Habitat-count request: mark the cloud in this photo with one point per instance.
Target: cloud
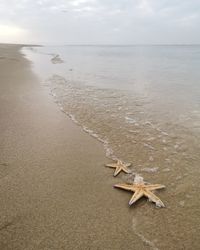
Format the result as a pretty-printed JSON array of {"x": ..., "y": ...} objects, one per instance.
[
  {"x": 101, "y": 21},
  {"x": 145, "y": 8},
  {"x": 78, "y": 3}
]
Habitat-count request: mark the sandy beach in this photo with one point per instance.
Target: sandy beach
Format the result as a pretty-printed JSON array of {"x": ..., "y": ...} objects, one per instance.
[{"x": 55, "y": 192}]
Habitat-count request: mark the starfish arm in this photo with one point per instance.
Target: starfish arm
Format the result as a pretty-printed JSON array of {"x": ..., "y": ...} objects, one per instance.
[
  {"x": 137, "y": 195},
  {"x": 126, "y": 170},
  {"x": 128, "y": 187},
  {"x": 117, "y": 171},
  {"x": 111, "y": 165},
  {"x": 155, "y": 186},
  {"x": 152, "y": 197}
]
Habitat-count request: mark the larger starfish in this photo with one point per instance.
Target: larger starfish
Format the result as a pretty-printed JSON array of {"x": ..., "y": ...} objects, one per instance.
[
  {"x": 142, "y": 189},
  {"x": 120, "y": 166}
]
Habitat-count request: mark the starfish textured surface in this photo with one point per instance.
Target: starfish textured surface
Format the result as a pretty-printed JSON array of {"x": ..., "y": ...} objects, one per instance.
[
  {"x": 119, "y": 166},
  {"x": 142, "y": 189}
]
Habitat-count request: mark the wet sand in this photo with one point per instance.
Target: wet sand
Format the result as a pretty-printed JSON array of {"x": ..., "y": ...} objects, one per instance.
[{"x": 55, "y": 192}]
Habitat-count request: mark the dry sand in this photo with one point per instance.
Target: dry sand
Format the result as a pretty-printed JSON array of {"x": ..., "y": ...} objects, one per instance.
[{"x": 54, "y": 190}]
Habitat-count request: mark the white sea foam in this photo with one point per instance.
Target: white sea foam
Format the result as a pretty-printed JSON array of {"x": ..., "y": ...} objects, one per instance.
[
  {"x": 182, "y": 203},
  {"x": 130, "y": 120},
  {"x": 164, "y": 133},
  {"x": 138, "y": 179},
  {"x": 166, "y": 169},
  {"x": 149, "y": 123},
  {"x": 151, "y": 138},
  {"x": 150, "y": 170},
  {"x": 108, "y": 149},
  {"x": 141, "y": 236},
  {"x": 151, "y": 158},
  {"x": 148, "y": 146},
  {"x": 72, "y": 117},
  {"x": 133, "y": 131}
]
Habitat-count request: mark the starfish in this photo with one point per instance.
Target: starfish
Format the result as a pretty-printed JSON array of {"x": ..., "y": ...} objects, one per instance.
[
  {"x": 120, "y": 166},
  {"x": 142, "y": 189}
]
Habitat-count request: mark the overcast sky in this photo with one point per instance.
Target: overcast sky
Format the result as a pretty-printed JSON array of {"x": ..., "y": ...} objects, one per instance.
[{"x": 100, "y": 21}]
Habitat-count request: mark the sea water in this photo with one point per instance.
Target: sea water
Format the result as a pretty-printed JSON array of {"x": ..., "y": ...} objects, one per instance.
[{"x": 143, "y": 104}]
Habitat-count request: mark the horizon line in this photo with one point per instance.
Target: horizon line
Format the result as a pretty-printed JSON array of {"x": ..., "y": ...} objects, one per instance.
[{"x": 103, "y": 44}]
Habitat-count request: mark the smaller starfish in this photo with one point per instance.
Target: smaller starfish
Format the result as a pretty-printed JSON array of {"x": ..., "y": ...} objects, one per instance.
[
  {"x": 142, "y": 189},
  {"x": 120, "y": 166}
]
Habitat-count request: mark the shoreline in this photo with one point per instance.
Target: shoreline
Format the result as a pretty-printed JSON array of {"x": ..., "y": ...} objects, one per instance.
[{"x": 55, "y": 192}]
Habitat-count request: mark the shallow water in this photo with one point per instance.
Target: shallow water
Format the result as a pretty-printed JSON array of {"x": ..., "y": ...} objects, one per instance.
[{"x": 143, "y": 104}]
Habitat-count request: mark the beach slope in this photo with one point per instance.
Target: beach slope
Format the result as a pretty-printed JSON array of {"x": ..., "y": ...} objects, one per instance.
[{"x": 54, "y": 190}]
